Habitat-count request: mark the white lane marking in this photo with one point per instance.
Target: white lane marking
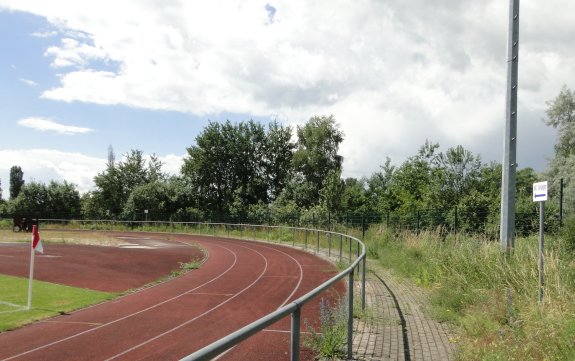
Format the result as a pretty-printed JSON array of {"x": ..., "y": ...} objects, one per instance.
[
  {"x": 10, "y": 304},
  {"x": 289, "y": 331},
  {"x": 18, "y": 308},
  {"x": 73, "y": 322},
  {"x": 298, "y": 283},
  {"x": 283, "y": 303},
  {"x": 127, "y": 316},
  {"x": 197, "y": 317}
]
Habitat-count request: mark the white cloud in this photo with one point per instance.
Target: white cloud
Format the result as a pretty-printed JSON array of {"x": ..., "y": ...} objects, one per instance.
[
  {"x": 44, "y": 125},
  {"x": 172, "y": 163},
  {"x": 47, "y": 164},
  {"x": 44, "y": 165},
  {"x": 393, "y": 73},
  {"x": 28, "y": 82},
  {"x": 45, "y": 34}
]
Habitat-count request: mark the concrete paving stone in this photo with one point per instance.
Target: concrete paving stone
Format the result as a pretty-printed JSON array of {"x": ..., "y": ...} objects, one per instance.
[{"x": 398, "y": 328}]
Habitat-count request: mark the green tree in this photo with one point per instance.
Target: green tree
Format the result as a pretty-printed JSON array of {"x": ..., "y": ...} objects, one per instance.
[
  {"x": 55, "y": 200},
  {"x": 116, "y": 183},
  {"x": 317, "y": 153},
  {"x": 332, "y": 190},
  {"x": 278, "y": 155},
  {"x": 63, "y": 200},
  {"x": 561, "y": 115},
  {"x": 354, "y": 198},
  {"x": 227, "y": 163},
  {"x": 153, "y": 197},
  {"x": 526, "y": 218},
  {"x": 413, "y": 183},
  {"x": 31, "y": 200},
  {"x": 380, "y": 189},
  {"x": 16, "y": 181},
  {"x": 459, "y": 171},
  {"x": 235, "y": 166}
]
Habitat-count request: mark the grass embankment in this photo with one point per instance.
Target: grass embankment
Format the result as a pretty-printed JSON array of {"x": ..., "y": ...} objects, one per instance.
[
  {"x": 468, "y": 278},
  {"x": 48, "y": 299}
]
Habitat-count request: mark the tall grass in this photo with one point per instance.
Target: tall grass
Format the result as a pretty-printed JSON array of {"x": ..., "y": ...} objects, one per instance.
[{"x": 468, "y": 278}]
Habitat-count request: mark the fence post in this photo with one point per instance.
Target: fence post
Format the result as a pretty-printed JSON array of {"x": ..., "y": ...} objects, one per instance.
[
  {"x": 340, "y": 246},
  {"x": 329, "y": 244},
  {"x": 455, "y": 223},
  {"x": 362, "y": 226},
  {"x": 295, "y": 326},
  {"x": 350, "y": 317},
  {"x": 305, "y": 242},
  {"x": 561, "y": 203},
  {"x": 318, "y": 241}
]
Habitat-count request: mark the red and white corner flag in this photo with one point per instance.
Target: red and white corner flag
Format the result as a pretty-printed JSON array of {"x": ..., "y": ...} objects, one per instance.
[
  {"x": 36, "y": 241},
  {"x": 36, "y": 246}
]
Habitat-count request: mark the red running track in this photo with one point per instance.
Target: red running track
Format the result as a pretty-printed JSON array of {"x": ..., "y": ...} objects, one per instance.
[{"x": 240, "y": 282}]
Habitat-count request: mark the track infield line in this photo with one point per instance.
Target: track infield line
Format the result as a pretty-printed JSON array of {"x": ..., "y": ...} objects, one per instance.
[
  {"x": 262, "y": 275},
  {"x": 231, "y": 247},
  {"x": 127, "y": 316},
  {"x": 199, "y": 316},
  {"x": 283, "y": 303}
]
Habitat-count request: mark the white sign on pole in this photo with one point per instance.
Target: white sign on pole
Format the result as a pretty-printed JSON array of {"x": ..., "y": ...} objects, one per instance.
[{"x": 540, "y": 191}]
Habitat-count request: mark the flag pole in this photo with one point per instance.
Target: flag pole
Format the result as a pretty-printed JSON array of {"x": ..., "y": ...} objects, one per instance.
[
  {"x": 32, "y": 252},
  {"x": 35, "y": 245}
]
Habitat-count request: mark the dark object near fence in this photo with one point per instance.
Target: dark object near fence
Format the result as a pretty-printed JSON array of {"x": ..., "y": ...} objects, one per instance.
[{"x": 23, "y": 223}]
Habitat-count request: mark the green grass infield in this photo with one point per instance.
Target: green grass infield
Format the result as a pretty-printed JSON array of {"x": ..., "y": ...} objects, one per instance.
[{"x": 48, "y": 300}]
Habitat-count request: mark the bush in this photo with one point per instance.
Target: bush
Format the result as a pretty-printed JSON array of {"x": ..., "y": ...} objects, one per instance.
[{"x": 567, "y": 234}]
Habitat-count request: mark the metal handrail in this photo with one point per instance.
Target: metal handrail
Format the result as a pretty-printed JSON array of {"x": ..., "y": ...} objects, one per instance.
[{"x": 293, "y": 308}]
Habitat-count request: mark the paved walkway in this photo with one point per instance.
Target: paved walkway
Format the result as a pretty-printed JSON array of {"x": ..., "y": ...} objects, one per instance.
[{"x": 396, "y": 327}]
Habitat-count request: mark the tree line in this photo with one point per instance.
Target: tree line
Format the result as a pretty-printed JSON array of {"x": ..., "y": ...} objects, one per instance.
[{"x": 254, "y": 173}]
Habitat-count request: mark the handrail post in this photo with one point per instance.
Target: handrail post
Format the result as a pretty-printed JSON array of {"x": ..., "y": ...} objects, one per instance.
[
  {"x": 363, "y": 284},
  {"x": 295, "y": 325},
  {"x": 357, "y": 256},
  {"x": 350, "y": 250},
  {"x": 350, "y": 318}
]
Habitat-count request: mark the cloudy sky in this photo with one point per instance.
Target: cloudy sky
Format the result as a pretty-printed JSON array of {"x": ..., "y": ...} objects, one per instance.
[{"x": 79, "y": 76}]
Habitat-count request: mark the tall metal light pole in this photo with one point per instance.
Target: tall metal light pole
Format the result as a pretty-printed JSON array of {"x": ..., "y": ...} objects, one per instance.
[{"x": 507, "y": 230}]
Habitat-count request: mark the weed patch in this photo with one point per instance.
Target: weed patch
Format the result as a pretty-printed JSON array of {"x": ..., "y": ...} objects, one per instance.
[{"x": 331, "y": 339}]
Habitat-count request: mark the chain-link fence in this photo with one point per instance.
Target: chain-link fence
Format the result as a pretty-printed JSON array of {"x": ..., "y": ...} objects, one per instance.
[{"x": 455, "y": 220}]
